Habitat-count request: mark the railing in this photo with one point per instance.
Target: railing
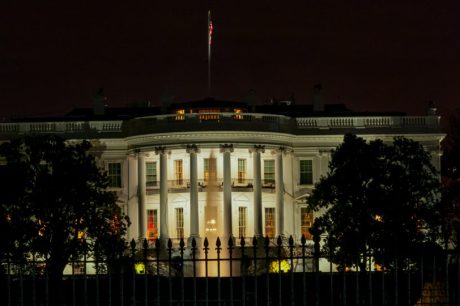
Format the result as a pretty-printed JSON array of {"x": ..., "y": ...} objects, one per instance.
[
  {"x": 228, "y": 121},
  {"x": 60, "y": 127},
  {"x": 235, "y": 272},
  {"x": 369, "y": 122},
  {"x": 237, "y": 185}
]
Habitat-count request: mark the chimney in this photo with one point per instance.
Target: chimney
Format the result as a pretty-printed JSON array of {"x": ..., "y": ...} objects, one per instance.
[
  {"x": 99, "y": 102},
  {"x": 318, "y": 101},
  {"x": 431, "y": 109}
]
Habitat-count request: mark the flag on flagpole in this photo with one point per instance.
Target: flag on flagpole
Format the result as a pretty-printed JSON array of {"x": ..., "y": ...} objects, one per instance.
[{"x": 209, "y": 28}]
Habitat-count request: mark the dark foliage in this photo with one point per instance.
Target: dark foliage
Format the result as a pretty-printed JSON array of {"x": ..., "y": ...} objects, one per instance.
[
  {"x": 377, "y": 199},
  {"x": 451, "y": 180},
  {"x": 55, "y": 205}
]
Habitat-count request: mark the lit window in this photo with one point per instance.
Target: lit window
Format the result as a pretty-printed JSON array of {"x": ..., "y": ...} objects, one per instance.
[
  {"x": 306, "y": 221},
  {"x": 180, "y": 222},
  {"x": 270, "y": 222},
  {"x": 152, "y": 224},
  {"x": 114, "y": 175},
  {"x": 179, "y": 172},
  {"x": 241, "y": 170},
  {"x": 242, "y": 221},
  {"x": 237, "y": 115},
  {"x": 209, "y": 169},
  {"x": 269, "y": 171},
  {"x": 180, "y": 114},
  {"x": 151, "y": 174},
  {"x": 306, "y": 172}
]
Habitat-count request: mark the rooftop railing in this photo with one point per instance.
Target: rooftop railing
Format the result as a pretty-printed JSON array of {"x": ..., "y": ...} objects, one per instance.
[
  {"x": 217, "y": 121},
  {"x": 60, "y": 127},
  {"x": 368, "y": 122}
]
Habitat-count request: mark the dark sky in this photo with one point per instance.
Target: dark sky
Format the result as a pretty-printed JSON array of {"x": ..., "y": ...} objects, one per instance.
[{"x": 370, "y": 55}]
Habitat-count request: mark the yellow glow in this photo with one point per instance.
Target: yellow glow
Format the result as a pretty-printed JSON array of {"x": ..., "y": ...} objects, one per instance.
[
  {"x": 139, "y": 267},
  {"x": 280, "y": 266},
  {"x": 378, "y": 218},
  {"x": 378, "y": 267},
  {"x": 81, "y": 235},
  {"x": 180, "y": 113},
  {"x": 237, "y": 115}
]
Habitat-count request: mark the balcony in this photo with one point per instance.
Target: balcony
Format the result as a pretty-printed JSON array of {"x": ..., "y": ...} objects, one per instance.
[{"x": 241, "y": 185}]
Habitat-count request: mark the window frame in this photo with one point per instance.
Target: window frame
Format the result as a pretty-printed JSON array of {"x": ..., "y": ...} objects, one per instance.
[
  {"x": 270, "y": 228},
  {"x": 179, "y": 175},
  {"x": 155, "y": 226},
  {"x": 308, "y": 211},
  {"x": 242, "y": 170},
  {"x": 242, "y": 221},
  {"x": 151, "y": 183},
  {"x": 179, "y": 216},
  {"x": 309, "y": 180},
  {"x": 269, "y": 181},
  {"x": 114, "y": 176}
]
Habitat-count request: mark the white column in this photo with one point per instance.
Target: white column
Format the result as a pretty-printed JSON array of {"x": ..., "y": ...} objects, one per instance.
[
  {"x": 141, "y": 194},
  {"x": 257, "y": 190},
  {"x": 164, "y": 230},
  {"x": 226, "y": 150},
  {"x": 194, "y": 214},
  {"x": 279, "y": 191}
]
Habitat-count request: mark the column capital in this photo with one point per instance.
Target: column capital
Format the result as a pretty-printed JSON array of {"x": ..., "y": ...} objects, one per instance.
[
  {"x": 161, "y": 150},
  {"x": 322, "y": 152},
  {"x": 226, "y": 148},
  {"x": 257, "y": 149},
  {"x": 192, "y": 149}
]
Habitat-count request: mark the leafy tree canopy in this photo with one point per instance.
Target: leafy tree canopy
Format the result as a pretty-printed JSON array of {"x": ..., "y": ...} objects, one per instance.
[
  {"x": 377, "y": 199},
  {"x": 451, "y": 179},
  {"x": 55, "y": 204}
]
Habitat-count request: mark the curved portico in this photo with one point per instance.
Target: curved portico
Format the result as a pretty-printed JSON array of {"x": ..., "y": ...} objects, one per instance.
[{"x": 247, "y": 186}]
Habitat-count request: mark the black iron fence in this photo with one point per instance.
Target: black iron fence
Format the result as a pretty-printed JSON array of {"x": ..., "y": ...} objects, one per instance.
[{"x": 261, "y": 272}]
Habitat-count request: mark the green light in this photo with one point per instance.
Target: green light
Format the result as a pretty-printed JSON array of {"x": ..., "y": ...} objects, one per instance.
[
  {"x": 139, "y": 268},
  {"x": 280, "y": 266}
]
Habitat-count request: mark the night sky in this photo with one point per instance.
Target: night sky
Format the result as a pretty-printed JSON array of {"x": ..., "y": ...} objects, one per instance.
[{"x": 370, "y": 55}]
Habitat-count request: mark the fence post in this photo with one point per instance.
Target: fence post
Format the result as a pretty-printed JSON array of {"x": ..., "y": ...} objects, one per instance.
[
  {"x": 303, "y": 241},
  {"x": 145, "y": 246},
  {"x": 181, "y": 249},
  {"x": 206, "y": 249},
  {"x": 157, "y": 252},
  {"x": 279, "y": 244},
  {"x": 230, "y": 254},
  {"x": 291, "y": 257},
  {"x": 218, "y": 249},
  {"x": 169, "y": 270},
  {"x": 254, "y": 244},
  {"x": 267, "y": 274},
  {"x": 316, "y": 239},
  {"x": 133, "y": 273},
  {"x": 194, "y": 270},
  {"x": 316, "y": 248},
  {"x": 243, "y": 272}
]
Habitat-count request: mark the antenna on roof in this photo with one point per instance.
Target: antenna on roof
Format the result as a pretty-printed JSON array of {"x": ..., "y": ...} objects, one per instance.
[{"x": 209, "y": 51}]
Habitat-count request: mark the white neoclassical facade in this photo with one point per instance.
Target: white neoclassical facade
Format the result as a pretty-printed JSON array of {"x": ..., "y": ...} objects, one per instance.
[{"x": 216, "y": 168}]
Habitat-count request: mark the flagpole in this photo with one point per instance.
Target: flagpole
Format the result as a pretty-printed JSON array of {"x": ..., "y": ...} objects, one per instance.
[{"x": 209, "y": 51}]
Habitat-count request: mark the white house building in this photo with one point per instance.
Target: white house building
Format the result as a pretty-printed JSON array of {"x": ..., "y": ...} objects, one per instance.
[{"x": 214, "y": 168}]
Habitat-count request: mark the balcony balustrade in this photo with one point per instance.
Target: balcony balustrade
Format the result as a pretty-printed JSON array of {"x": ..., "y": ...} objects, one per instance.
[
  {"x": 219, "y": 121},
  {"x": 183, "y": 185}
]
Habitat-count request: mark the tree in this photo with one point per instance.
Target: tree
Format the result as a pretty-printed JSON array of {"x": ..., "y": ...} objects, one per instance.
[
  {"x": 451, "y": 180},
  {"x": 377, "y": 199},
  {"x": 55, "y": 200}
]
